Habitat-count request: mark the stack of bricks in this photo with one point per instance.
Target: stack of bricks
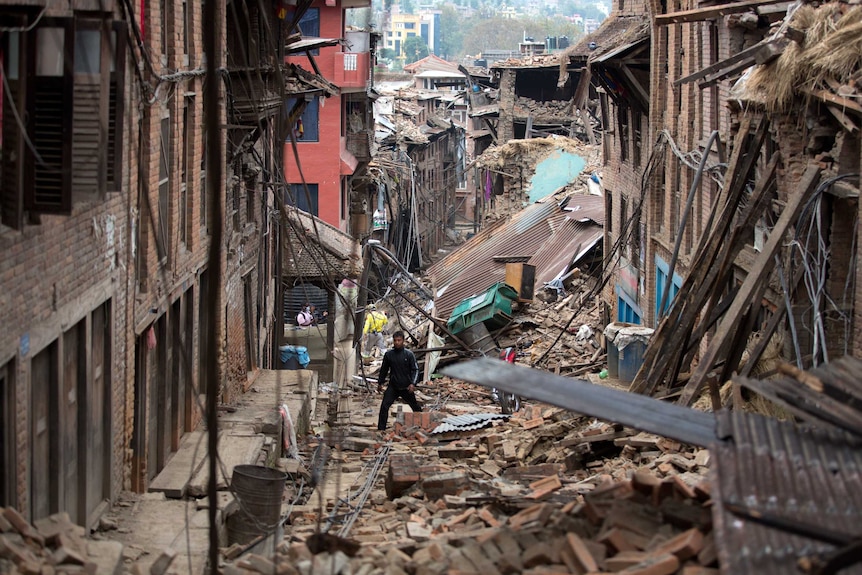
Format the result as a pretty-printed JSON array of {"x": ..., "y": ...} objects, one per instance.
[
  {"x": 409, "y": 425},
  {"x": 54, "y": 545},
  {"x": 640, "y": 526}
]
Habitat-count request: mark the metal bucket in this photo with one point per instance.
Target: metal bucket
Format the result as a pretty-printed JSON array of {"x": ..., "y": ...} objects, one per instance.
[
  {"x": 479, "y": 338},
  {"x": 258, "y": 491}
]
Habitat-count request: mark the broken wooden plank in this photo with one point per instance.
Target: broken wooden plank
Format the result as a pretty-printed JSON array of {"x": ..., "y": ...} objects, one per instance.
[
  {"x": 709, "y": 12},
  {"x": 761, "y": 268},
  {"x": 670, "y": 339},
  {"x": 182, "y": 467},
  {"x": 233, "y": 450},
  {"x": 638, "y": 411},
  {"x": 830, "y": 98}
]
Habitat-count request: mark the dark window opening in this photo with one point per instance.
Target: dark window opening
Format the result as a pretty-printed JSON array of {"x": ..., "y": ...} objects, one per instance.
[
  {"x": 309, "y": 26},
  {"x": 296, "y": 196},
  {"x": 164, "y": 188},
  {"x": 307, "y": 126},
  {"x": 623, "y": 128},
  {"x": 541, "y": 85}
]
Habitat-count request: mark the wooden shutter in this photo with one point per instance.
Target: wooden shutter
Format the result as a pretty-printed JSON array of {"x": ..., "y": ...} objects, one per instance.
[
  {"x": 116, "y": 112},
  {"x": 11, "y": 200},
  {"x": 51, "y": 97}
]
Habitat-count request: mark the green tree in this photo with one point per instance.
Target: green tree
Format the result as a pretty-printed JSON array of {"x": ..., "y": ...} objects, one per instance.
[
  {"x": 415, "y": 49},
  {"x": 451, "y": 34},
  {"x": 388, "y": 54}
]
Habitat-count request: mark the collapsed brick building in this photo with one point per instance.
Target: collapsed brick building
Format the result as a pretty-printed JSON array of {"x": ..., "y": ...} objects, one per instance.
[
  {"x": 689, "y": 120},
  {"x": 418, "y": 170}
]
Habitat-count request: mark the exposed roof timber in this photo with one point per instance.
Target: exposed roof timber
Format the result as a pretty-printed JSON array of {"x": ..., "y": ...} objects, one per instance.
[
  {"x": 638, "y": 411},
  {"x": 310, "y": 44},
  {"x": 709, "y": 12},
  {"x": 636, "y": 48},
  {"x": 642, "y": 92},
  {"x": 830, "y": 98},
  {"x": 760, "y": 53}
]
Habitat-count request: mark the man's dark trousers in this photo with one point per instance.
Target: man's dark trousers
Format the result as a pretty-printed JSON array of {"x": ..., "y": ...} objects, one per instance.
[{"x": 389, "y": 397}]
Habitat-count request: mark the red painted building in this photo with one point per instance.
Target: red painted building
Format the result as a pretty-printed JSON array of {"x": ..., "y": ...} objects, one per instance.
[{"x": 333, "y": 133}]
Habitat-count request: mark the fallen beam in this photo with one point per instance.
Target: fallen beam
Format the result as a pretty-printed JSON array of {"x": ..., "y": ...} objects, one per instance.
[
  {"x": 753, "y": 284},
  {"x": 637, "y": 411},
  {"x": 709, "y": 12}
]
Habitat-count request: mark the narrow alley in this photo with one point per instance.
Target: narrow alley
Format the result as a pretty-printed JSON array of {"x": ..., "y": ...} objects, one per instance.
[{"x": 302, "y": 288}]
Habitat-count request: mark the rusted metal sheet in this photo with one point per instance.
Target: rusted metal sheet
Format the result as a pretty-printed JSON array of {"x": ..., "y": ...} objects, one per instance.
[
  {"x": 481, "y": 261},
  {"x": 571, "y": 241},
  {"x": 783, "y": 472},
  {"x": 638, "y": 411}
]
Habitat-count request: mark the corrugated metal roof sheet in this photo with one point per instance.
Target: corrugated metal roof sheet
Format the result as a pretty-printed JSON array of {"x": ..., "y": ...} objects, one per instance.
[
  {"x": 568, "y": 244},
  {"x": 780, "y": 470},
  {"x": 472, "y": 268},
  {"x": 468, "y": 422}
]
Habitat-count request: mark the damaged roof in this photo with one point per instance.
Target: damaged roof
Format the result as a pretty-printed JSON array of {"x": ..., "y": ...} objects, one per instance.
[
  {"x": 481, "y": 261},
  {"x": 616, "y": 32},
  {"x": 311, "y": 245}
]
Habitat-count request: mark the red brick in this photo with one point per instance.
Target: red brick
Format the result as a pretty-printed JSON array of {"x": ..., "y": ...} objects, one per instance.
[
  {"x": 616, "y": 540},
  {"x": 577, "y": 556},
  {"x": 684, "y": 546},
  {"x": 533, "y": 423},
  {"x": 665, "y": 564},
  {"x": 536, "y": 514}
]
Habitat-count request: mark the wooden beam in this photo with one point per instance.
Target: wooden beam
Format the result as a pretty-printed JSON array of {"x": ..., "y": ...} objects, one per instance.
[
  {"x": 759, "y": 275},
  {"x": 588, "y": 125},
  {"x": 712, "y": 69},
  {"x": 830, "y": 98},
  {"x": 641, "y": 91},
  {"x": 674, "y": 329},
  {"x": 709, "y": 12}
]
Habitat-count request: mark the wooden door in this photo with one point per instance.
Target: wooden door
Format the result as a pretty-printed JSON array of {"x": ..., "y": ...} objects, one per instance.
[
  {"x": 139, "y": 427},
  {"x": 152, "y": 411},
  {"x": 7, "y": 437},
  {"x": 73, "y": 365},
  {"x": 175, "y": 382},
  {"x": 188, "y": 367},
  {"x": 43, "y": 500},
  {"x": 98, "y": 413}
]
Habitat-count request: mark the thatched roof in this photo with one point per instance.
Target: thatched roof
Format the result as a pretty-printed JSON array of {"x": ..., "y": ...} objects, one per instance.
[{"x": 828, "y": 57}]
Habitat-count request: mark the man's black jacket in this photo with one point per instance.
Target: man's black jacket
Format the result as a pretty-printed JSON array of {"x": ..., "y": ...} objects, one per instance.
[{"x": 403, "y": 367}]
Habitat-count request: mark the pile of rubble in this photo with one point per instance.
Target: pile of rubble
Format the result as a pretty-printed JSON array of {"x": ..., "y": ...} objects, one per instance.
[
  {"x": 553, "y": 110},
  {"x": 547, "y": 491},
  {"x": 55, "y": 545},
  {"x": 528, "y": 153},
  {"x": 576, "y": 319}
]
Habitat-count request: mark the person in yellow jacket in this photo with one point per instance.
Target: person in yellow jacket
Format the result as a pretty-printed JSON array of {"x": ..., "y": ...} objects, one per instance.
[{"x": 375, "y": 323}]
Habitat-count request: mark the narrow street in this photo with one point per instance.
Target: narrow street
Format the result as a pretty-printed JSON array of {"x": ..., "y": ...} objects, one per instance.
[{"x": 602, "y": 255}]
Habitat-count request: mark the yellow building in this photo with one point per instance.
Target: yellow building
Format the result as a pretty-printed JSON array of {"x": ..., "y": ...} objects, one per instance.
[{"x": 401, "y": 27}]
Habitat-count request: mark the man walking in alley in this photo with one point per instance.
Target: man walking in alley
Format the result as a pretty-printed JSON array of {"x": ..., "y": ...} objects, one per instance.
[
  {"x": 375, "y": 323},
  {"x": 400, "y": 365}
]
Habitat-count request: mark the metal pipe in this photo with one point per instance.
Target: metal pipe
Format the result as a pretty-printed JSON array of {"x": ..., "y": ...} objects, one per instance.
[
  {"x": 678, "y": 242},
  {"x": 393, "y": 259}
]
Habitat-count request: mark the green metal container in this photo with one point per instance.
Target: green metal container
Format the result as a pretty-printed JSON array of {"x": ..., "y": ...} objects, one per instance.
[{"x": 493, "y": 308}]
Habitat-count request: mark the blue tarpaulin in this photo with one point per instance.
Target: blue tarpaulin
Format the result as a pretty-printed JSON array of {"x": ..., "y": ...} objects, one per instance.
[{"x": 297, "y": 353}]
